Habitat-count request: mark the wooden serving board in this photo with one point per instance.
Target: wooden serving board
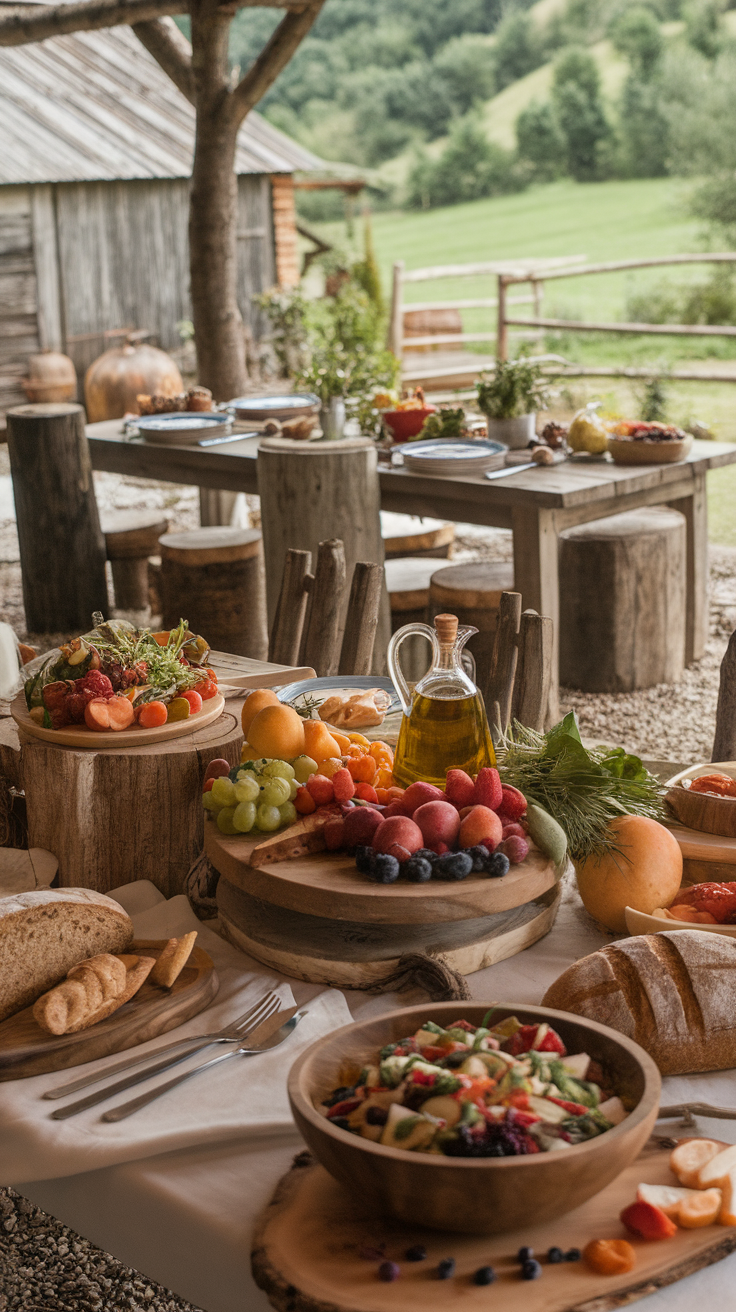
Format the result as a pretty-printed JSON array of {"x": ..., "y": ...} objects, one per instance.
[
  {"x": 317, "y": 1249},
  {"x": 25, "y": 1049},
  {"x": 79, "y": 735}
]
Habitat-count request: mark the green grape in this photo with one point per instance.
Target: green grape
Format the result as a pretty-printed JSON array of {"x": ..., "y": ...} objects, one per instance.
[
  {"x": 247, "y": 789},
  {"x": 287, "y": 813},
  {"x": 244, "y": 774},
  {"x": 275, "y": 791},
  {"x": 223, "y": 791},
  {"x": 210, "y": 803},
  {"x": 279, "y": 770},
  {"x": 303, "y": 767},
  {"x": 268, "y": 818},
  {"x": 244, "y": 817},
  {"x": 225, "y": 820},
  {"x": 293, "y": 789}
]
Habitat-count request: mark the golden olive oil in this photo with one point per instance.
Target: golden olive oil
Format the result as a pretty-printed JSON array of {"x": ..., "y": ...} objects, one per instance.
[{"x": 441, "y": 734}]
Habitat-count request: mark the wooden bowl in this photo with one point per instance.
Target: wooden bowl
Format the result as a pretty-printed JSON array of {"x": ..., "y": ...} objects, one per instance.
[
  {"x": 474, "y": 1195},
  {"x": 703, "y": 811},
  {"x": 624, "y": 451}
]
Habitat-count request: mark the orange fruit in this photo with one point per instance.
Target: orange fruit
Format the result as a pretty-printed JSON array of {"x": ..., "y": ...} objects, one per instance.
[
  {"x": 319, "y": 742},
  {"x": 277, "y": 731},
  {"x": 330, "y": 766},
  {"x": 359, "y": 738},
  {"x": 341, "y": 739},
  {"x": 255, "y": 702},
  {"x": 645, "y": 873}
]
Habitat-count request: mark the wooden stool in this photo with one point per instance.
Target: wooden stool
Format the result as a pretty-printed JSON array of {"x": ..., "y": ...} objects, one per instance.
[
  {"x": 131, "y": 536},
  {"x": 407, "y": 582},
  {"x": 214, "y": 578},
  {"x": 408, "y": 535},
  {"x": 472, "y": 591},
  {"x": 622, "y": 601}
]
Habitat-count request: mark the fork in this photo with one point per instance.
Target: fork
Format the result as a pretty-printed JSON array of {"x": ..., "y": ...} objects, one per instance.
[
  {"x": 128, "y": 1108},
  {"x": 232, "y": 1033}
]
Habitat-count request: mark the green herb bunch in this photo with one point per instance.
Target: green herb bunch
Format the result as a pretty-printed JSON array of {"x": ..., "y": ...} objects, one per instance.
[
  {"x": 515, "y": 387},
  {"x": 584, "y": 789},
  {"x": 443, "y": 423}
]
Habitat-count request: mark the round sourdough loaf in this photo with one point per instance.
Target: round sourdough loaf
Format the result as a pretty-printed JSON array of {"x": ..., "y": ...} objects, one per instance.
[
  {"x": 673, "y": 993},
  {"x": 46, "y": 932}
]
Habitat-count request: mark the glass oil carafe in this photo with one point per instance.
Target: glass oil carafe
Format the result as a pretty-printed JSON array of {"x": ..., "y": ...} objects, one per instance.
[{"x": 444, "y": 724}]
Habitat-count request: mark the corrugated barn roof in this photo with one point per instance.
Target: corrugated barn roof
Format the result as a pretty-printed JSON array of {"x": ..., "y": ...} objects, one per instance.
[{"x": 96, "y": 106}]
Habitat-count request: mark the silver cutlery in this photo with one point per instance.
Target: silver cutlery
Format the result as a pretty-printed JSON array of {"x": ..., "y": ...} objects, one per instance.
[
  {"x": 262, "y": 1013},
  {"x": 128, "y": 1108}
]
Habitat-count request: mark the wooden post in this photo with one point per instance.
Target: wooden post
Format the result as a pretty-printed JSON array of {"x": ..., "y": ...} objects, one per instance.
[
  {"x": 62, "y": 550},
  {"x": 362, "y": 619},
  {"x": 396, "y": 317},
  {"x": 500, "y": 686},
  {"x": 534, "y": 670},
  {"x": 320, "y": 647},
  {"x": 291, "y": 609},
  {"x": 695, "y": 510},
  {"x": 724, "y": 744},
  {"x": 502, "y": 340}
]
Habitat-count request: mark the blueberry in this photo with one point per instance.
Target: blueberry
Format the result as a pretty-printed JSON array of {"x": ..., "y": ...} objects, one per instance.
[
  {"x": 418, "y": 870},
  {"x": 446, "y": 1268},
  {"x": 453, "y": 865},
  {"x": 376, "y": 1116},
  {"x": 364, "y": 858},
  {"x": 417, "y": 1253},
  {"x": 385, "y": 869},
  {"x": 498, "y": 865},
  {"x": 531, "y": 1270},
  {"x": 480, "y": 857},
  {"x": 485, "y": 1275},
  {"x": 427, "y": 854},
  {"x": 572, "y": 1255},
  {"x": 525, "y": 1254},
  {"x": 340, "y": 1122},
  {"x": 389, "y": 1271},
  {"x": 555, "y": 1255}
]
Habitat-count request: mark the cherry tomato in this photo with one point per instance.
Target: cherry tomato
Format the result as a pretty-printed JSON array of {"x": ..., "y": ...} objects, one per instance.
[{"x": 194, "y": 698}]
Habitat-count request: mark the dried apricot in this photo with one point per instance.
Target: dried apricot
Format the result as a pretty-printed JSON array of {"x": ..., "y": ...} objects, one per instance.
[
  {"x": 384, "y": 779},
  {"x": 362, "y": 768},
  {"x": 330, "y": 767},
  {"x": 359, "y": 738},
  {"x": 610, "y": 1257}
]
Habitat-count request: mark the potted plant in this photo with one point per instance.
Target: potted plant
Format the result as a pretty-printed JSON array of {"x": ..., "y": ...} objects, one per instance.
[{"x": 509, "y": 398}]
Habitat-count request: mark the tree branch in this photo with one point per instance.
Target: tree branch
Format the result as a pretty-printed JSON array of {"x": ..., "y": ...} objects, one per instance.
[
  {"x": 20, "y": 24},
  {"x": 170, "y": 49},
  {"x": 277, "y": 52}
]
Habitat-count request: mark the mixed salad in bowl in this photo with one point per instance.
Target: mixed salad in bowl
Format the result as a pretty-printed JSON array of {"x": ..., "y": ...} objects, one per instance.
[{"x": 477, "y": 1091}]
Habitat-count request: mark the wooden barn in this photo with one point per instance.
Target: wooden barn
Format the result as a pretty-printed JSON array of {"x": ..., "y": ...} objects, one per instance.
[{"x": 96, "y": 146}]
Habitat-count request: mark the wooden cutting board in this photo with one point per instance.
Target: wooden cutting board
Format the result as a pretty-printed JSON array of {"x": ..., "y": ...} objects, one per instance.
[
  {"x": 78, "y": 735},
  {"x": 25, "y": 1049},
  {"x": 312, "y": 1251}
]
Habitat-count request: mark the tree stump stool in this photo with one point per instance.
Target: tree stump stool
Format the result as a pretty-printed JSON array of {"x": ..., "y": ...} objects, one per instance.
[
  {"x": 214, "y": 578},
  {"x": 131, "y": 536},
  {"x": 622, "y": 601},
  {"x": 472, "y": 591},
  {"x": 407, "y": 581},
  {"x": 408, "y": 535}
]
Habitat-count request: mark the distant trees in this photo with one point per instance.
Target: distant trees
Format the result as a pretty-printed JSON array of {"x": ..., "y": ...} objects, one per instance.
[{"x": 469, "y": 168}]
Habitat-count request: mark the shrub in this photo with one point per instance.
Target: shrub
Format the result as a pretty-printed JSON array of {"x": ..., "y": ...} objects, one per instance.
[
  {"x": 469, "y": 168},
  {"x": 540, "y": 142}
]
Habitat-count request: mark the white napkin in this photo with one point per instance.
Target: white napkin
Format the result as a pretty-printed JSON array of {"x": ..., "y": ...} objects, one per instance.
[{"x": 242, "y": 1098}]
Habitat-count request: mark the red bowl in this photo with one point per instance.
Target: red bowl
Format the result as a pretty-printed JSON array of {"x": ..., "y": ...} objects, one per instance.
[{"x": 404, "y": 424}]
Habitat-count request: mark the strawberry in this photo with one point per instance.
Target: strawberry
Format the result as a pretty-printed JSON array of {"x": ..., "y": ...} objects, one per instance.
[
  {"x": 460, "y": 788},
  {"x": 647, "y": 1221},
  {"x": 487, "y": 790},
  {"x": 513, "y": 803}
]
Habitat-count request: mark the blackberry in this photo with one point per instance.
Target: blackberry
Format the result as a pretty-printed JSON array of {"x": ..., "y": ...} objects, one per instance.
[
  {"x": 389, "y": 1271},
  {"x": 417, "y": 1253},
  {"x": 385, "y": 869},
  {"x": 418, "y": 870},
  {"x": 498, "y": 865},
  {"x": 531, "y": 1270},
  {"x": 572, "y": 1255},
  {"x": 502, "y": 1140},
  {"x": 454, "y": 865},
  {"x": 525, "y": 1254},
  {"x": 446, "y": 1268},
  {"x": 485, "y": 1275},
  {"x": 364, "y": 858},
  {"x": 480, "y": 857},
  {"x": 341, "y": 1123},
  {"x": 555, "y": 1255},
  {"x": 339, "y": 1095},
  {"x": 376, "y": 1116}
]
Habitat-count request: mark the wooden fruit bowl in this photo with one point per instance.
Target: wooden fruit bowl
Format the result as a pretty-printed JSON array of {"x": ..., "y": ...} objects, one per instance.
[
  {"x": 473, "y": 1195},
  {"x": 648, "y": 452},
  {"x": 703, "y": 811}
]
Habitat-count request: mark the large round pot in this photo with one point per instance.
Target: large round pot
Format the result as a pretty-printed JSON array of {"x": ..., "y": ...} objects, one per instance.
[
  {"x": 404, "y": 424},
  {"x": 115, "y": 379},
  {"x": 474, "y": 1195},
  {"x": 514, "y": 433},
  {"x": 51, "y": 377}
]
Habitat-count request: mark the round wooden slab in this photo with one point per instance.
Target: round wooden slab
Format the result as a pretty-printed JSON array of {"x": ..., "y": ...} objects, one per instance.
[
  {"x": 25, "y": 1049},
  {"x": 317, "y": 1249},
  {"x": 78, "y": 735}
]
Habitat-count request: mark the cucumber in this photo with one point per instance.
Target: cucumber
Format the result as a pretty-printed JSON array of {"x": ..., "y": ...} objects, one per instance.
[{"x": 548, "y": 835}]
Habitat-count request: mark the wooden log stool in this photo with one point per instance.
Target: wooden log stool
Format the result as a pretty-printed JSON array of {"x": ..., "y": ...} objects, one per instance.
[
  {"x": 131, "y": 536},
  {"x": 622, "y": 601},
  {"x": 407, "y": 581},
  {"x": 472, "y": 591},
  {"x": 214, "y": 578},
  {"x": 408, "y": 535}
]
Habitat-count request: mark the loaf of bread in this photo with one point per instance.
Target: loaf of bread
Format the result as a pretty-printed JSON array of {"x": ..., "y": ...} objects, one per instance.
[
  {"x": 172, "y": 959},
  {"x": 91, "y": 992},
  {"x": 46, "y": 932},
  {"x": 673, "y": 993}
]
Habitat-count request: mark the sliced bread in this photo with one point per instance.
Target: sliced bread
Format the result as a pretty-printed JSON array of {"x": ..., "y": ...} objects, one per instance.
[{"x": 46, "y": 932}]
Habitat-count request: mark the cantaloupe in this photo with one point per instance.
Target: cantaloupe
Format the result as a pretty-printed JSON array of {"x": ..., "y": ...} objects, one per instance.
[{"x": 644, "y": 874}]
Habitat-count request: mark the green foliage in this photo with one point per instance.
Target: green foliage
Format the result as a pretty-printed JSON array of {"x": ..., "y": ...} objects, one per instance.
[
  {"x": 576, "y": 97},
  {"x": 715, "y": 201},
  {"x": 704, "y": 27},
  {"x": 540, "y": 141},
  {"x": 518, "y": 49},
  {"x": 366, "y": 272},
  {"x": 636, "y": 34},
  {"x": 653, "y": 401},
  {"x": 287, "y": 310},
  {"x": 515, "y": 387},
  {"x": 469, "y": 168},
  {"x": 644, "y": 135}
]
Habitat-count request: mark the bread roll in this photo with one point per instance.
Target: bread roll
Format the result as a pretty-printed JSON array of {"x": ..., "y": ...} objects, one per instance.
[
  {"x": 44, "y": 933},
  {"x": 673, "y": 993},
  {"x": 77, "y": 1002}
]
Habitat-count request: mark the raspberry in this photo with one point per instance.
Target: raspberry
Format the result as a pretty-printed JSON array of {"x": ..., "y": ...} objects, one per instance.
[
  {"x": 343, "y": 785},
  {"x": 513, "y": 803},
  {"x": 320, "y": 789}
]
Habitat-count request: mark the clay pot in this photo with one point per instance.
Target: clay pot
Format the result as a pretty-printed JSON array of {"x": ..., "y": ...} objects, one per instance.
[
  {"x": 114, "y": 380},
  {"x": 51, "y": 377}
]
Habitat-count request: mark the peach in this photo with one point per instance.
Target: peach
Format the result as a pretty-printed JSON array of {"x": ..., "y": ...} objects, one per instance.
[
  {"x": 419, "y": 793},
  {"x": 481, "y": 825},
  {"x": 255, "y": 702},
  {"x": 398, "y": 836},
  {"x": 277, "y": 731},
  {"x": 360, "y": 826},
  {"x": 439, "y": 823},
  {"x": 459, "y": 788}
]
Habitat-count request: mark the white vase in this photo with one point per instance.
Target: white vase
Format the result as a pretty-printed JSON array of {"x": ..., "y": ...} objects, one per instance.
[
  {"x": 514, "y": 433},
  {"x": 332, "y": 418}
]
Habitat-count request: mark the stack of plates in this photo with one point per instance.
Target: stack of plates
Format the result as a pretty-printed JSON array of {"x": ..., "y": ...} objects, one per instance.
[
  {"x": 183, "y": 427},
  {"x": 453, "y": 456},
  {"x": 259, "y": 408}
]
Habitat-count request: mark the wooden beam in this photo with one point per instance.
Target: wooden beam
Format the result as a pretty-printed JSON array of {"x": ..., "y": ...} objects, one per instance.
[
  {"x": 171, "y": 50},
  {"x": 20, "y": 24},
  {"x": 46, "y": 259},
  {"x": 653, "y": 329},
  {"x": 276, "y": 53},
  {"x": 613, "y": 266}
]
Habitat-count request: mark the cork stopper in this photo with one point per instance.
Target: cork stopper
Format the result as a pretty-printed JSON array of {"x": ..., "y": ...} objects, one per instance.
[{"x": 446, "y": 627}]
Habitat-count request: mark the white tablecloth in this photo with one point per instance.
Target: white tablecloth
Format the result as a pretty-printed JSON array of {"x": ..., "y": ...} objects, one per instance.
[{"x": 185, "y": 1218}]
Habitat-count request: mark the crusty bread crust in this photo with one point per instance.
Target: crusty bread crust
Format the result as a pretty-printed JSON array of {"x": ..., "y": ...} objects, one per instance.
[
  {"x": 46, "y": 932},
  {"x": 673, "y": 993}
]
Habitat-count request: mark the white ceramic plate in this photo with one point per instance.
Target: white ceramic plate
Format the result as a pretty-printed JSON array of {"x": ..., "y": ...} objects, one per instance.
[
  {"x": 638, "y": 922},
  {"x": 289, "y": 406},
  {"x": 183, "y": 428}
]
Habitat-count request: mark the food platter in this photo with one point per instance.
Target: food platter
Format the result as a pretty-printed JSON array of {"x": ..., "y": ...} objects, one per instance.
[
  {"x": 453, "y": 456},
  {"x": 705, "y": 812},
  {"x": 289, "y": 406},
  {"x": 183, "y": 428},
  {"x": 648, "y": 451},
  {"x": 78, "y": 735},
  {"x": 638, "y": 922}
]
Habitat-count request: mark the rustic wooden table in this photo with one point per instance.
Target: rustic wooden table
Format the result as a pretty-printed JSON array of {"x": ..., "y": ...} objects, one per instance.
[{"x": 536, "y": 504}]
